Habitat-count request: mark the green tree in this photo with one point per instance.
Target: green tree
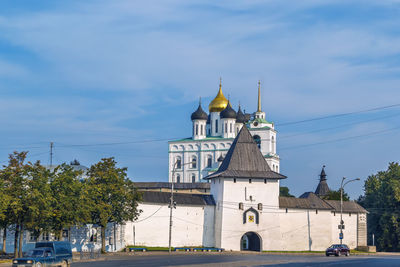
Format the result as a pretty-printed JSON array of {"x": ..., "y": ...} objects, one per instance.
[
  {"x": 382, "y": 200},
  {"x": 112, "y": 196},
  {"x": 68, "y": 205},
  {"x": 14, "y": 176},
  {"x": 4, "y": 204},
  {"x": 37, "y": 205},
  {"x": 335, "y": 195},
  {"x": 284, "y": 192}
]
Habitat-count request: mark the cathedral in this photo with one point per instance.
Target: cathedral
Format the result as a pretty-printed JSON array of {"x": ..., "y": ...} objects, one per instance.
[{"x": 191, "y": 159}]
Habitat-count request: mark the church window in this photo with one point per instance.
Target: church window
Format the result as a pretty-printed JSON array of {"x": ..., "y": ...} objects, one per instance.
[
  {"x": 350, "y": 214},
  {"x": 257, "y": 139},
  {"x": 178, "y": 163},
  {"x": 178, "y": 178},
  {"x": 234, "y": 180},
  {"x": 259, "y": 206},
  {"x": 286, "y": 210},
  {"x": 194, "y": 162},
  {"x": 197, "y": 129},
  {"x": 201, "y": 129},
  {"x": 193, "y": 178},
  {"x": 216, "y": 126},
  {"x": 316, "y": 211},
  {"x": 265, "y": 181},
  {"x": 209, "y": 161},
  {"x": 249, "y": 181},
  {"x": 230, "y": 128},
  {"x": 241, "y": 206},
  {"x": 226, "y": 127},
  {"x": 334, "y": 213}
]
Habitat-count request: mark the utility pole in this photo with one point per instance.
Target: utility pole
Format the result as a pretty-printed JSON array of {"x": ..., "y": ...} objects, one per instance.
[
  {"x": 51, "y": 154},
  {"x": 172, "y": 204},
  {"x": 341, "y": 206}
]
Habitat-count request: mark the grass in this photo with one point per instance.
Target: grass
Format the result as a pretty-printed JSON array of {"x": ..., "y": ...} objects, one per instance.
[
  {"x": 286, "y": 251},
  {"x": 151, "y": 248}
]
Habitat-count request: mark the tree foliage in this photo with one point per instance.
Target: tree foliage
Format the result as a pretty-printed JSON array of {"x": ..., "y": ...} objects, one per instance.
[
  {"x": 113, "y": 197},
  {"x": 38, "y": 199},
  {"x": 335, "y": 195},
  {"x": 284, "y": 192},
  {"x": 382, "y": 200}
]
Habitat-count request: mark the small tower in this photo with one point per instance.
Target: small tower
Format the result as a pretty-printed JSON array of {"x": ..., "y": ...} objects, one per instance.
[
  {"x": 259, "y": 114},
  {"x": 216, "y": 106},
  {"x": 322, "y": 188},
  {"x": 228, "y": 120},
  {"x": 199, "y": 119}
]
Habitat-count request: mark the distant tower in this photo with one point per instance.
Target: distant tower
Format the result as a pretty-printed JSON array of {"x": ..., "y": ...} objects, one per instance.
[
  {"x": 199, "y": 119},
  {"x": 322, "y": 188},
  {"x": 259, "y": 114}
]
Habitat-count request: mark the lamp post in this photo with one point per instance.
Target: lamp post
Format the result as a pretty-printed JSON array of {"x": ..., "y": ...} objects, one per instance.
[
  {"x": 341, "y": 205},
  {"x": 172, "y": 204}
]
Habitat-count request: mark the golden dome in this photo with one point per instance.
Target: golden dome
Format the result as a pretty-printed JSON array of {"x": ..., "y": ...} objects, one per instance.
[{"x": 219, "y": 103}]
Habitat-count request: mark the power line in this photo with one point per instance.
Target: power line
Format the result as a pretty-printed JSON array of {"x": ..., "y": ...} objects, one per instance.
[
  {"x": 341, "y": 139},
  {"x": 339, "y": 126},
  {"x": 337, "y": 115}
]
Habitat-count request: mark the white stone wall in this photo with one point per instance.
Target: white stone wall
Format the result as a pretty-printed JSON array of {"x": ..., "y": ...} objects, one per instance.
[{"x": 192, "y": 226}]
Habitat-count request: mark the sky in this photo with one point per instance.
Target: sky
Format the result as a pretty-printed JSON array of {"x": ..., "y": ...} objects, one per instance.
[{"x": 106, "y": 78}]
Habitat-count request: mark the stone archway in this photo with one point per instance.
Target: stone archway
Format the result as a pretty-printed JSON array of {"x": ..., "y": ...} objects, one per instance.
[{"x": 250, "y": 241}]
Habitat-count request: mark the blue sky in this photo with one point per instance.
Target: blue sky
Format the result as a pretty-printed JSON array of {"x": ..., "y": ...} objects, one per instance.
[{"x": 97, "y": 72}]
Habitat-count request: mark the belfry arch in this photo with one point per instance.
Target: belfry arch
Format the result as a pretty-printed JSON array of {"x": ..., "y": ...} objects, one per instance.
[{"x": 251, "y": 241}]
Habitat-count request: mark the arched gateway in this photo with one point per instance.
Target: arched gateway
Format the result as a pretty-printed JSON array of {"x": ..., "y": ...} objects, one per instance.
[{"x": 250, "y": 241}]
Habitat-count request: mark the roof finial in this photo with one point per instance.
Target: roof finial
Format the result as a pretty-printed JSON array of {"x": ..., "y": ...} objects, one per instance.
[
  {"x": 200, "y": 101},
  {"x": 259, "y": 97},
  {"x": 220, "y": 83}
]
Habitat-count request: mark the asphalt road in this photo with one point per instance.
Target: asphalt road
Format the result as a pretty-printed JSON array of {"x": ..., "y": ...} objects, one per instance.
[{"x": 243, "y": 260}]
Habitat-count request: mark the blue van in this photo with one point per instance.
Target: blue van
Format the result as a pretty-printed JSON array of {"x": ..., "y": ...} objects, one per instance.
[{"x": 55, "y": 253}]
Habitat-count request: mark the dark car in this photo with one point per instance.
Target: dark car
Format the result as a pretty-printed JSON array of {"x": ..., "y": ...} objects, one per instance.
[
  {"x": 337, "y": 250},
  {"x": 47, "y": 254}
]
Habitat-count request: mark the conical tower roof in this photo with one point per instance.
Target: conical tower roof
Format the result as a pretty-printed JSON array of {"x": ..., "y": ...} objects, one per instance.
[
  {"x": 322, "y": 188},
  {"x": 245, "y": 160}
]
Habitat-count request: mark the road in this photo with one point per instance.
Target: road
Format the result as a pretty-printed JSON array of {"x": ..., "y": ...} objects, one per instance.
[{"x": 225, "y": 259}]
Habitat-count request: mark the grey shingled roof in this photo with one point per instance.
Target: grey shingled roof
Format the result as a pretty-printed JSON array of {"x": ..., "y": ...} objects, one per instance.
[
  {"x": 315, "y": 201},
  {"x": 309, "y": 200},
  {"x": 348, "y": 206},
  {"x": 179, "y": 198},
  {"x": 244, "y": 160},
  {"x": 156, "y": 185}
]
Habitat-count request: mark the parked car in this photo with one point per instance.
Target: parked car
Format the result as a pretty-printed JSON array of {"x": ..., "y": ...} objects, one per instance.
[
  {"x": 55, "y": 253},
  {"x": 337, "y": 250}
]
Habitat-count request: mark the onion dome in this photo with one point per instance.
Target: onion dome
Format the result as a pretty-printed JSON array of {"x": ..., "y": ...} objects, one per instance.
[
  {"x": 199, "y": 114},
  {"x": 228, "y": 113},
  {"x": 240, "y": 117},
  {"x": 219, "y": 103}
]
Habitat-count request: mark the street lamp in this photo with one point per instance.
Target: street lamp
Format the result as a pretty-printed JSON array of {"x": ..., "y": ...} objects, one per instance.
[
  {"x": 341, "y": 205},
  {"x": 172, "y": 204}
]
